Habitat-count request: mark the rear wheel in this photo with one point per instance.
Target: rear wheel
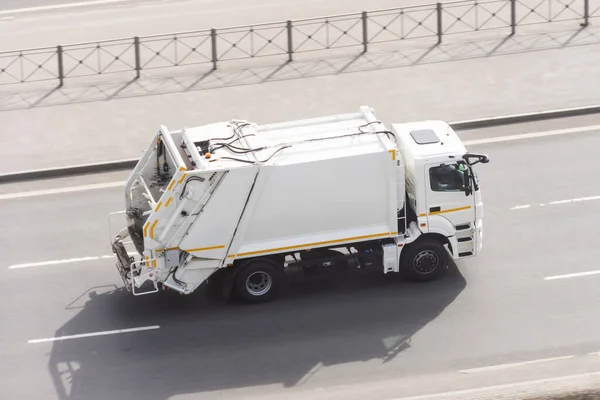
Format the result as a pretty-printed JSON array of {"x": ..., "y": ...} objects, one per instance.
[
  {"x": 424, "y": 260},
  {"x": 259, "y": 281}
]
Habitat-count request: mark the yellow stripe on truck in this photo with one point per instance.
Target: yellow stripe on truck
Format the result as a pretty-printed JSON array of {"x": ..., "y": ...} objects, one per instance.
[
  {"x": 204, "y": 248},
  {"x": 250, "y": 253},
  {"x": 152, "y": 229},
  {"x": 446, "y": 211},
  {"x": 168, "y": 249}
]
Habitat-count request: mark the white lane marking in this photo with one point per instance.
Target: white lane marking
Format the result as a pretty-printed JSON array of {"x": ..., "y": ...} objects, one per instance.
[
  {"x": 60, "y": 6},
  {"x": 576, "y": 200},
  {"x": 512, "y": 365},
  {"x": 103, "y": 333},
  {"x": 56, "y": 262},
  {"x": 573, "y": 275},
  {"x": 11, "y": 196},
  {"x": 558, "y": 202},
  {"x": 65, "y": 261},
  {"x": 533, "y": 135}
]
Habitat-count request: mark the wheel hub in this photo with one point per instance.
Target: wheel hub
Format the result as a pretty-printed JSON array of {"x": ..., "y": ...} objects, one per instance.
[
  {"x": 258, "y": 283},
  {"x": 426, "y": 262}
]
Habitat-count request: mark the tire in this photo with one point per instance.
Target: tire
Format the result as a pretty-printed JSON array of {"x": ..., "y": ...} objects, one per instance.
[
  {"x": 424, "y": 260},
  {"x": 259, "y": 281}
]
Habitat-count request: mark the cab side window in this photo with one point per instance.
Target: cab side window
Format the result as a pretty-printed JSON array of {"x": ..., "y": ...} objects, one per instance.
[{"x": 447, "y": 178}]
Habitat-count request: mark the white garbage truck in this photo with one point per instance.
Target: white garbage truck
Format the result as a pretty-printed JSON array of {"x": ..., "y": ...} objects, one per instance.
[{"x": 248, "y": 201}]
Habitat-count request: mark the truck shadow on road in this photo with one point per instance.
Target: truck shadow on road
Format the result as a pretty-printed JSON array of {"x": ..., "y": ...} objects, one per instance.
[{"x": 360, "y": 322}]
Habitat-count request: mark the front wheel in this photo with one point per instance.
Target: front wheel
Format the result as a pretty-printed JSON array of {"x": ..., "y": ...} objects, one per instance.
[
  {"x": 424, "y": 260},
  {"x": 258, "y": 282}
]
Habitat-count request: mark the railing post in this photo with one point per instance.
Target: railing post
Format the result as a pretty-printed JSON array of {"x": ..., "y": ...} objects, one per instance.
[
  {"x": 290, "y": 41},
  {"x": 513, "y": 16},
  {"x": 61, "y": 71},
  {"x": 365, "y": 32},
  {"x": 440, "y": 30},
  {"x": 138, "y": 64},
  {"x": 213, "y": 39},
  {"x": 586, "y": 12}
]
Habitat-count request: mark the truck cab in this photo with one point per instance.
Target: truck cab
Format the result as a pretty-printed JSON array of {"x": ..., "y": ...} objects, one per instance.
[{"x": 441, "y": 185}]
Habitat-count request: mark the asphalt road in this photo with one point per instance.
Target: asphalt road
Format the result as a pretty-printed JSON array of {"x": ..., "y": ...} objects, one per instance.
[{"x": 361, "y": 330}]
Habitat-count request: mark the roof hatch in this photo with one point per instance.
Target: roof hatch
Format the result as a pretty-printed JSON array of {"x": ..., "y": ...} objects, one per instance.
[{"x": 424, "y": 136}]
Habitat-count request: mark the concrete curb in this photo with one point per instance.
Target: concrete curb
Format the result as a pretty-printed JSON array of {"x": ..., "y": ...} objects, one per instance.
[
  {"x": 542, "y": 389},
  {"x": 120, "y": 165},
  {"x": 58, "y": 172},
  {"x": 527, "y": 117}
]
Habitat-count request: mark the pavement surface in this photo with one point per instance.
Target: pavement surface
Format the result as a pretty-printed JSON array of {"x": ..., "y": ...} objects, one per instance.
[
  {"x": 20, "y": 4},
  {"x": 364, "y": 336},
  {"x": 93, "y": 120}
]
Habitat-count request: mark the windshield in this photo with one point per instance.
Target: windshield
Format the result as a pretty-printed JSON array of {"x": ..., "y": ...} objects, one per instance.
[{"x": 449, "y": 177}]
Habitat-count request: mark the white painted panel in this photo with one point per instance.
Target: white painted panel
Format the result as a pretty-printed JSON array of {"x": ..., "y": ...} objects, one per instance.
[
  {"x": 216, "y": 225},
  {"x": 322, "y": 200}
]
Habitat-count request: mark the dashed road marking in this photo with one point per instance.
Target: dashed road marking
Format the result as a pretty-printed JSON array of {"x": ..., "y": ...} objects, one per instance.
[
  {"x": 532, "y": 135},
  {"x": 65, "y": 261},
  {"x": 573, "y": 275},
  {"x": 558, "y": 202},
  {"x": 103, "y": 333},
  {"x": 591, "y": 198},
  {"x": 512, "y": 365},
  {"x": 35, "y": 193}
]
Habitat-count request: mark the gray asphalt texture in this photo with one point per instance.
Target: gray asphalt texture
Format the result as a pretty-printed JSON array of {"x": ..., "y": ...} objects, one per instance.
[
  {"x": 358, "y": 329},
  {"x": 361, "y": 336}
]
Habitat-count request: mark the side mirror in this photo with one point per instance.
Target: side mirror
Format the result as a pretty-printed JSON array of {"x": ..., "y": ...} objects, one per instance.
[{"x": 482, "y": 158}]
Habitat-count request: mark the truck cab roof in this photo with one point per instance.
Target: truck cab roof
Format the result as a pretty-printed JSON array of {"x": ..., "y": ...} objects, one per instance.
[{"x": 429, "y": 139}]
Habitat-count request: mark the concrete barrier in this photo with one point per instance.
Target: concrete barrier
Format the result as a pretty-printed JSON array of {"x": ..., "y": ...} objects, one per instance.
[
  {"x": 526, "y": 117},
  {"x": 110, "y": 166}
]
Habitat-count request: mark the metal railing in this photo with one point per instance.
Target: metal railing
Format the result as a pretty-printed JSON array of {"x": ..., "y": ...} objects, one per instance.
[{"x": 284, "y": 39}]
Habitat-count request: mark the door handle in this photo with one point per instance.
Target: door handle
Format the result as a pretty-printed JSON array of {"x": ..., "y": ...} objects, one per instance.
[{"x": 435, "y": 209}]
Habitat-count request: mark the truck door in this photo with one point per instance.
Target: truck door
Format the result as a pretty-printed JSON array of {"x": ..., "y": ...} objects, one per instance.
[{"x": 446, "y": 186}]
